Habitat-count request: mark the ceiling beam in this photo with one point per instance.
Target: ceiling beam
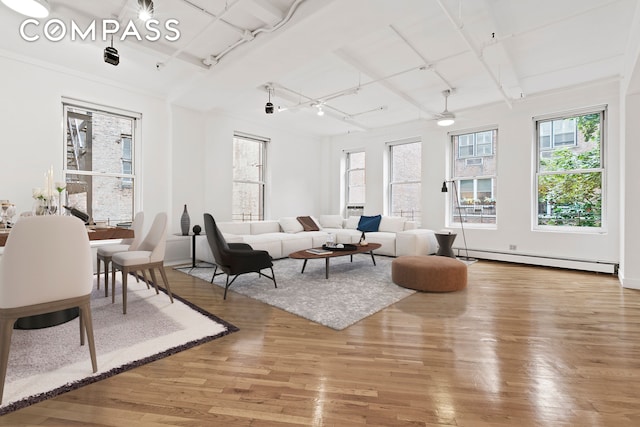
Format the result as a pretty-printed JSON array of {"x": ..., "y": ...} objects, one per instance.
[
  {"x": 359, "y": 66},
  {"x": 477, "y": 52},
  {"x": 431, "y": 65}
]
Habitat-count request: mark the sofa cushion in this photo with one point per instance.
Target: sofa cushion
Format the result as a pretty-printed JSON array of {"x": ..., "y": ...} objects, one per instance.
[
  {"x": 262, "y": 227},
  {"x": 308, "y": 224},
  {"x": 317, "y": 221},
  {"x": 369, "y": 223},
  {"x": 239, "y": 228},
  {"x": 352, "y": 222},
  {"x": 331, "y": 221},
  {"x": 290, "y": 224},
  {"x": 392, "y": 224},
  {"x": 386, "y": 239}
]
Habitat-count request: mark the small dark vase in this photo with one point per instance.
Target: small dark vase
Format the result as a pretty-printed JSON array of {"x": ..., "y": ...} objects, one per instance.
[
  {"x": 197, "y": 229},
  {"x": 185, "y": 221}
]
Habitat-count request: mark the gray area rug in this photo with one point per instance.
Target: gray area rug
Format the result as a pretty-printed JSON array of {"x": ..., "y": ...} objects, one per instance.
[
  {"x": 352, "y": 292},
  {"x": 47, "y": 362}
]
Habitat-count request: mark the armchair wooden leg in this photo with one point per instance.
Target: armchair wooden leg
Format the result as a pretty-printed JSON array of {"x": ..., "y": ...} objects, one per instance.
[
  {"x": 106, "y": 262},
  {"x": 98, "y": 271},
  {"x": 155, "y": 281},
  {"x": 85, "y": 316},
  {"x": 166, "y": 282},
  {"x": 125, "y": 273}
]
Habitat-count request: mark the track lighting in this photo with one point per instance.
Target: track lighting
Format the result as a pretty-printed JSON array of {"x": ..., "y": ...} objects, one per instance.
[
  {"x": 268, "y": 107},
  {"x": 320, "y": 110},
  {"x": 146, "y": 10},
  {"x": 111, "y": 55},
  {"x": 31, "y": 8}
]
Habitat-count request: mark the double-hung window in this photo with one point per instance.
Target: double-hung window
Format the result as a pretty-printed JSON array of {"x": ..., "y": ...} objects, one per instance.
[
  {"x": 355, "y": 182},
  {"x": 405, "y": 179},
  {"x": 249, "y": 162},
  {"x": 474, "y": 166},
  {"x": 570, "y": 171},
  {"x": 99, "y": 171}
]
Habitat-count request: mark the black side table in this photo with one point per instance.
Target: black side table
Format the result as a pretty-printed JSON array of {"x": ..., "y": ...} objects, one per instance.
[
  {"x": 193, "y": 246},
  {"x": 445, "y": 241}
]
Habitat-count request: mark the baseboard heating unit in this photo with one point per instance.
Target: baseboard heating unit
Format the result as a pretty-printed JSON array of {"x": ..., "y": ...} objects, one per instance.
[{"x": 542, "y": 260}]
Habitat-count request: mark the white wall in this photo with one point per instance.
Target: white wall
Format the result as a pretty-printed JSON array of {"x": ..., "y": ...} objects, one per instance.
[
  {"x": 33, "y": 140},
  {"x": 515, "y": 179},
  {"x": 294, "y": 169}
]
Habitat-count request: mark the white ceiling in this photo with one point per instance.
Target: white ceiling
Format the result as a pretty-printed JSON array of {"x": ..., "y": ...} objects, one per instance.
[{"x": 372, "y": 63}]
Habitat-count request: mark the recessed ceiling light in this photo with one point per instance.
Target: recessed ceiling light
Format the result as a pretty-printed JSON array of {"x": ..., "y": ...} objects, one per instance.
[{"x": 32, "y": 8}]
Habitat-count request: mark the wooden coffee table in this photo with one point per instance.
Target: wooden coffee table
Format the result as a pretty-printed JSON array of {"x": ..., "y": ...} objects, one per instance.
[{"x": 306, "y": 256}]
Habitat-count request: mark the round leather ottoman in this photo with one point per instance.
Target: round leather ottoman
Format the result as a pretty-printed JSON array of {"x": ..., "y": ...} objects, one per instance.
[{"x": 429, "y": 273}]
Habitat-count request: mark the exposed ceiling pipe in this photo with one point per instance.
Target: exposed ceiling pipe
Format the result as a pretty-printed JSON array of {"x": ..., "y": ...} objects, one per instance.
[
  {"x": 430, "y": 65},
  {"x": 345, "y": 56},
  {"x": 250, "y": 35},
  {"x": 345, "y": 92},
  {"x": 459, "y": 28},
  {"x": 205, "y": 28},
  {"x": 332, "y": 112}
]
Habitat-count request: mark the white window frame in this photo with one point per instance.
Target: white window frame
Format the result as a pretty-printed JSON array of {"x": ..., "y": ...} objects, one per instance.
[
  {"x": 602, "y": 110},
  {"x": 470, "y": 140},
  {"x": 348, "y": 169},
  {"x": 262, "y": 181},
  {"x": 452, "y": 219},
  {"x": 136, "y": 141},
  {"x": 127, "y": 181},
  {"x": 391, "y": 183}
]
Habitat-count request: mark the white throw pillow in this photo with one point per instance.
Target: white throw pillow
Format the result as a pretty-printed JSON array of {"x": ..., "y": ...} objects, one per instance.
[
  {"x": 352, "y": 222},
  {"x": 331, "y": 221},
  {"x": 392, "y": 224},
  {"x": 290, "y": 224}
]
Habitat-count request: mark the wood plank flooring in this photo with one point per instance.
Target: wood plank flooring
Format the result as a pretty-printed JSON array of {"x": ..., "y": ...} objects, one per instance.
[{"x": 521, "y": 346}]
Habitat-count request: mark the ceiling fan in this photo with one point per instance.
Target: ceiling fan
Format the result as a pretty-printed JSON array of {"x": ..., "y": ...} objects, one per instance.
[{"x": 446, "y": 118}]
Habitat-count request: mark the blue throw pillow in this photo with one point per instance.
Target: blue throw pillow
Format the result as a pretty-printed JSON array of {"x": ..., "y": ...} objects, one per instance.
[{"x": 369, "y": 223}]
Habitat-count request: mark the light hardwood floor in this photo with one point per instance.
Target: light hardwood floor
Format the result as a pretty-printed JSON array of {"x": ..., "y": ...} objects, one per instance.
[{"x": 522, "y": 346}]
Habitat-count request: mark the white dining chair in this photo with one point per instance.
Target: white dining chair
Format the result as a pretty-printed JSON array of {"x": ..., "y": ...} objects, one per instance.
[
  {"x": 46, "y": 267},
  {"x": 148, "y": 256},
  {"x": 105, "y": 253}
]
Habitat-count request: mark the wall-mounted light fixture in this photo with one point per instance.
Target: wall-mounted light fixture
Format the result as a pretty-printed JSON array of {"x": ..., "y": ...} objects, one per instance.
[{"x": 31, "y": 8}]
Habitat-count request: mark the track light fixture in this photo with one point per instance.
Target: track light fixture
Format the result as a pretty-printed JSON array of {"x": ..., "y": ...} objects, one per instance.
[
  {"x": 268, "y": 107},
  {"x": 446, "y": 118},
  {"x": 145, "y": 11},
  {"x": 31, "y": 8},
  {"x": 111, "y": 55}
]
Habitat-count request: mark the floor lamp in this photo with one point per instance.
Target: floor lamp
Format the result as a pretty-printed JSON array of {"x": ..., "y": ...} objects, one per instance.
[{"x": 455, "y": 194}]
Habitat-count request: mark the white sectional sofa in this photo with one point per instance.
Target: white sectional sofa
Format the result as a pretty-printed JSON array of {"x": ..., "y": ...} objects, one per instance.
[{"x": 286, "y": 235}]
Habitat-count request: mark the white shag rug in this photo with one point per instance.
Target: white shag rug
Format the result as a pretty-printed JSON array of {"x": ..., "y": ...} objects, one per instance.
[{"x": 47, "y": 362}]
